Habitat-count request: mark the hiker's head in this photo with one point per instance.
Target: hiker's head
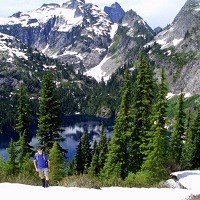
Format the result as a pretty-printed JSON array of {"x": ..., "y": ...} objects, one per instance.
[{"x": 40, "y": 150}]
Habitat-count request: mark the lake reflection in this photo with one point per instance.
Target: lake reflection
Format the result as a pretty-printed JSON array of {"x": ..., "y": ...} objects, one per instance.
[{"x": 72, "y": 128}]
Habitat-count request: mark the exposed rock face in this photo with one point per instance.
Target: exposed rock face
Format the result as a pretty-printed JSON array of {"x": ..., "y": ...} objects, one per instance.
[
  {"x": 132, "y": 33},
  {"x": 76, "y": 32},
  {"x": 180, "y": 44},
  {"x": 115, "y": 12}
]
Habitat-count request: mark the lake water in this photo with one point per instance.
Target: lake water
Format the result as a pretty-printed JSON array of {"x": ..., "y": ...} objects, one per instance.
[{"x": 73, "y": 126}]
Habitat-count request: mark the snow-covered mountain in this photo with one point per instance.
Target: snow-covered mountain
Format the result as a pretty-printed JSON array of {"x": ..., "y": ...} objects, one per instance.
[
  {"x": 75, "y": 32},
  {"x": 80, "y": 34}
]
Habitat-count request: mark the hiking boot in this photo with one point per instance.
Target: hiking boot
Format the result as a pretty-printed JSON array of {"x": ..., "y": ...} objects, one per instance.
[
  {"x": 43, "y": 182},
  {"x": 47, "y": 183}
]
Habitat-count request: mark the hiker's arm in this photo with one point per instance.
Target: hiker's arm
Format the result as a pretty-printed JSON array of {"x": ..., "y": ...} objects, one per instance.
[
  {"x": 48, "y": 165},
  {"x": 35, "y": 165}
]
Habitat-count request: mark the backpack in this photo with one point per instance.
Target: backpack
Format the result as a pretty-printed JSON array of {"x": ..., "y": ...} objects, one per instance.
[{"x": 44, "y": 156}]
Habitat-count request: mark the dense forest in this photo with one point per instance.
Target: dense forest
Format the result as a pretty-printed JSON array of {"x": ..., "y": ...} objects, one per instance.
[{"x": 151, "y": 136}]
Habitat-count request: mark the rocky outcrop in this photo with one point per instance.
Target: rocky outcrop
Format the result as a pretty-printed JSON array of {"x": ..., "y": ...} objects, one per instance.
[
  {"x": 115, "y": 12},
  {"x": 179, "y": 45}
]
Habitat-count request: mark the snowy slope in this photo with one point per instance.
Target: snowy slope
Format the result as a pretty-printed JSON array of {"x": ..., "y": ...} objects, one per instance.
[{"x": 189, "y": 179}]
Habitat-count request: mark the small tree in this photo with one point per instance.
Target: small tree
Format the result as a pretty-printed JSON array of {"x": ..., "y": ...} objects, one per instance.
[
  {"x": 94, "y": 167},
  {"x": 79, "y": 161},
  {"x": 188, "y": 148},
  {"x": 12, "y": 163},
  {"x": 176, "y": 141},
  {"x": 57, "y": 163},
  {"x": 196, "y": 141},
  {"x": 86, "y": 151}
]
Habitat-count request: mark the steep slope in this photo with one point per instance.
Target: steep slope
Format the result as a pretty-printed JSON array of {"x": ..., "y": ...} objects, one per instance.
[
  {"x": 75, "y": 32},
  {"x": 177, "y": 49},
  {"x": 132, "y": 33}
]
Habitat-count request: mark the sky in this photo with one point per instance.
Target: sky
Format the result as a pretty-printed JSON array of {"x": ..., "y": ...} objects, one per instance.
[
  {"x": 155, "y": 12},
  {"x": 189, "y": 179}
]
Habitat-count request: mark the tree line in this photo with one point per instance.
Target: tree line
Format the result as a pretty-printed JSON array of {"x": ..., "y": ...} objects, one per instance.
[{"x": 142, "y": 148}]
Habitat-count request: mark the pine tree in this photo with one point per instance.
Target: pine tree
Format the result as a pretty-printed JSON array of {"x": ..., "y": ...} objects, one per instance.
[
  {"x": 188, "y": 148},
  {"x": 57, "y": 167},
  {"x": 86, "y": 151},
  {"x": 70, "y": 167},
  {"x": 79, "y": 161},
  {"x": 116, "y": 163},
  {"x": 176, "y": 141},
  {"x": 102, "y": 148},
  {"x": 12, "y": 163},
  {"x": 24, "y": 151},
  {"x": 143, "y": 100},
  {"x": 196, "y": 141},
  {"x": 49, "y": 114},
  {"x": 94, "y": 166},
  {"x": 22, "y": 118},
  {"x": 22, "y": 125},
  {"x": 154, "y": 163}
]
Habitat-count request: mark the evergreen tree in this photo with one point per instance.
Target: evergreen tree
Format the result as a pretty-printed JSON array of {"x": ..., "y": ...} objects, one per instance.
[
  {"x": 49, "y": 114},
  {"x": 154, "y": 163},
  {"x": 22, "y": 118},
  {"x": 22, "y": 125},
  {"x": 56, "y": 158},
  {"x": 70, "y": 167},
  {"x": 143, "y": 100},
  {"x": 79, "y": 161},
  {"x": 188, "y": 148},
  {"x": 94, "y": 167},
  {"x": 176, "y": 140},
  {"x": 24, "y": 151},
  {"x": 86, "y": 151},
  {"x": 12, "y": 163},
  {"x": 102, "y": 148},
  {"x": 116, "y": 163},
  {"x": 196, "y": 141}
]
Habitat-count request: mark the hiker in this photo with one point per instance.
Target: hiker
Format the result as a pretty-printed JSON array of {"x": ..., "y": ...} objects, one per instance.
[{"x": 42, "y": 164}]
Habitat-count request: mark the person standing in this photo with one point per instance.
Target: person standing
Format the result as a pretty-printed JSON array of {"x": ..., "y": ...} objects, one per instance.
[{"x": 42, "y": 164}]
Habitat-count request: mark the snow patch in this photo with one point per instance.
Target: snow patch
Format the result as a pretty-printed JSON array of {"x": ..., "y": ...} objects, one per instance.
[{"x": 97, "y": 71}]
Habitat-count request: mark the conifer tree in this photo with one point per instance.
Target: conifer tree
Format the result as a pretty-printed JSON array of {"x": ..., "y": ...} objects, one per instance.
[
  {"x": 188, "y": 148},
  {"x": 12, "y": 163},
  {"x": 116, "y": 163},
  {"x": 56, "y": 158},
  {"x": 143, "y": 100},
  {"x": 86, "y": 151},
  {"x": 70, "y": 167},
  {"x": 22, "y": 118},
  {"x": 154, "y": 163},
  {"x": 176, "y": 140},
  {"x": 102, "y": 148},
  {"x": 79, "y": 161},
  {"x": 94, "y": 166},
  {"x": 22, "y": 125},
  {"x": 24, "y": 151},
  {"x": 196, "y": 141},
  {"x": 49, "y": 113}
]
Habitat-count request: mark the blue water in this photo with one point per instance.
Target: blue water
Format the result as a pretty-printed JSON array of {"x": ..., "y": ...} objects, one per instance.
[{"x": 73, "y": 126}]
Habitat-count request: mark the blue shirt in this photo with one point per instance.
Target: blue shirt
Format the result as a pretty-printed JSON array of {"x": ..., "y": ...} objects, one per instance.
[{"x": 42, "y": 160}]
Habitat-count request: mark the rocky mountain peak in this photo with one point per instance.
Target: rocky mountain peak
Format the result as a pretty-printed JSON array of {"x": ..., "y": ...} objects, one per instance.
[
  {"x": 50, "y": 5},
  {"x": 115, "y": 12},
  {"x": 73, "y": 4}
]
